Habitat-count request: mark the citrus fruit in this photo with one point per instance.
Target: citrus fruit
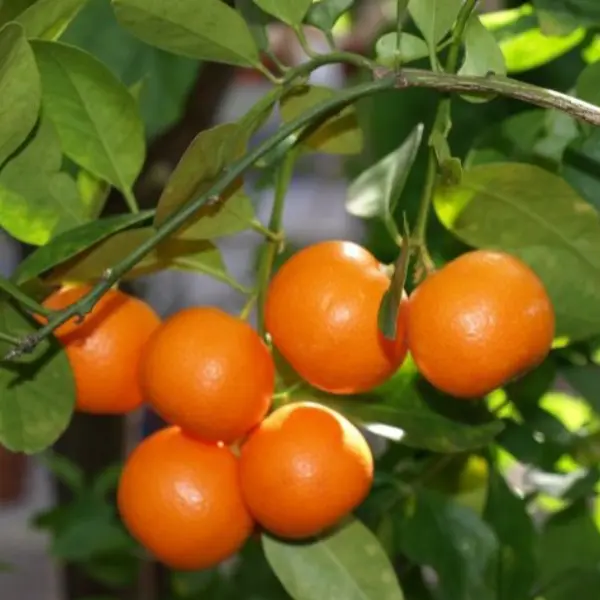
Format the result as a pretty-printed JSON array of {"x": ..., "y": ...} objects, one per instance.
[
  {"x": 303, "y": 469},
  {"x": 322, "y": 310},
  {"x": 180, "y": 498},
  {"x": 208, "y": 372},
  {"x": 480, "y": 321},
  {"x": 104, "y": 350}
]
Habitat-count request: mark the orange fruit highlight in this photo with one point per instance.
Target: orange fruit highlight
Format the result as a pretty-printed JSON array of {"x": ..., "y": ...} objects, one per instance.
[
  {"x": 480, "y": 321},
  {"x": 104, "y": 350},
  {"x": 208, "y": 372},
  {"x": 303, "y": 469},
  {"x": 321, "y": 312},
  {"x": 181, "y": 499}
]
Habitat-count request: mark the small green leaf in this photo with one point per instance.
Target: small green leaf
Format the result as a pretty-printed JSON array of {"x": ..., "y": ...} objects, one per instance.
[
  {"x": 376, "y": 191},
  {"x": 256, "y": 20},
  {"x": 65, "y": 470},
  {"x": 537, "y": 216},
  {"x": 507, "y": 515},
  {"x": 38, "y": 390},
  {"x": 96, "y": 117},
  {"x": 340, "y": 134},
  {"x": 390, "y": 303},
  {"x": 588, "y": 87},
  {"x": 20, "y": 91},
  {"x": 291, "y": 12},
  {"x": 37, "y": 200},
  {"x": 348, "y": 564},
  {"x": 324, "y": 14},
  {"x": 208, "y": 30},
  {"x": 411, "y": 48},
  {"x": 586, "y": 381},
  {"x": 47, "y": 19},
  {"x": 434, "y": 18},
  {"x": 68, "y": 244},
  {"x": 452, "y": 539},
  {"x": 107, "y": 481},
  {"x": 93, "y": 192}
]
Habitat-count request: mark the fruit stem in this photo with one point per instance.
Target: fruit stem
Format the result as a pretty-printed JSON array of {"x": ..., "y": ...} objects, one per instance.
[{"x": 271, "y": 246}]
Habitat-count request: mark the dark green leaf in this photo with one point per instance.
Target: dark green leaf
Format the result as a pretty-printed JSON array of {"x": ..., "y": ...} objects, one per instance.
[
  {"x": 561, "y": 17},
  {"x": 537, "y": 216},
  {"x": 508, "y": 517},
  {"x": 38, "y": 390},
  {"x": 324, "y": 14},
  {"x": 350, "y": 564},
  {"x": 37, "y": 200},
  {"x": 411, "y": 48},
  {"x": 452, "y": 539},
  {"x": 340, "y": 134},
  {"x": 107, "y": 481},
  {"x": 586, "y": 381},
  {"x": 19, "y": 90},
  {"x": 65, "y": 470},
  {"x": 47, "y": 19},
  {"x": 291, "y": 12},
  {"x": 588, "y": 84},
  {"x": 376, "y": 191},
  {"x": 68, "y": 244},
  {"x": 95, "y": 115},
  {"x": 115, "y": 569},
  {"x": 256, "y": 20},
  {"x": 390, "y": 304},
  {"x": 209, "y": 30},
  {"x": 434, "y": 18}
]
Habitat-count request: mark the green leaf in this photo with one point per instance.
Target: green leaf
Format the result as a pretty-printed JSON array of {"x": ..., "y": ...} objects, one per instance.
[
  {"x": 20, "y": 91},
  {"x": 389, "y": 308},
  {"x": 404, "y": 409},
  {"x": 560, "y": 17},
  {"x": 93, "y": 192},
  {"x": 259, "y": 113},
  {"x": 454, "y": 540},
  {"x": 37, "y": 200},
  {"x": 411, "y": 48},
  {"x": 68, "y": 244},
  {"x": 209, "y": 30},
  {"x": 586, "y": 381},
  {"x": 537, "y": 216},
  {"x": 434, "y": 18},
  {"x": 47, "y": 19},
  {"x": 350, "y": 564},
  {"x": 38, "y": 390},
  {"x": 324, "y": 14},
  {"x": 107, "y": 480},
  {"x": 256, "y": 20},
  {"x": 291, "y": 12},
  {"x": 508, "y": 517},
  {"x": 65, "y": 470},
  {"x": 587, "y": 84},
  {"x": 376, "y": 191},
  {"x": 340, "y": 134},
  {"x": 95, "y": 115}
]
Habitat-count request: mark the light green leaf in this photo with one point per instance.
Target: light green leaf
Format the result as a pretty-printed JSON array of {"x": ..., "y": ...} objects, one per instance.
[
  {"x": 47, "y": 19},
  {"x": 537, "y": 216},
  {"x": 291, "y": 12},
  {"x": 324, "y": 14},
  {"x": 341, "y": 134},
  {"x": 20, "y": 91},
  {"x": 411, "y": 48},
  {"x": 350, "y": 564},
  {"x": 434, "y": 18},
  {"x": 37, "y": 390},
  {"x": 37, "y": 201},
  {"x": 208, "y": 30},
  {"x": 95, "y": 115},
  {"x": 93, "y": 192},
  {"x": 588, "y": 84},
  {"x": 376, "y": 191}
]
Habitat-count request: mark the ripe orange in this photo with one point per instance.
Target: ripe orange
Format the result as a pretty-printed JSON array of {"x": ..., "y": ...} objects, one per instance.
[
  {"x": 208, "y": 372},
  {"x": 104, "y": 350},
  {"x": 321, "y": 312},
  {"x": 181, "y": 499},
  {"x": 478, "y": 322},
  {"x": 303, "y": 469}
]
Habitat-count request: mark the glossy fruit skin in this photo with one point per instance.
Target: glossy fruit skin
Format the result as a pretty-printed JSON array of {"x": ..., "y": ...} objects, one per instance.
[
  {"x": 480, "y": 321},
  {"x": 180, "y": 498},
  {"x": 209, "y": 373},
  {"x": 104, "y": 351},
  {"x": 303, "y": 469},
  {"x": 321, "y": 311}
]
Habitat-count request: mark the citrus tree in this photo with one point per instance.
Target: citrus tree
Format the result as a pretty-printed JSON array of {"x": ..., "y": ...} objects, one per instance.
[{"x": 457, "y": 354}]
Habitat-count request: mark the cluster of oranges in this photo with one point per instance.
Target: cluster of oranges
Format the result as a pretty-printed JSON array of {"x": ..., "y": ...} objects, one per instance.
[{"x": 193, "y": 492}]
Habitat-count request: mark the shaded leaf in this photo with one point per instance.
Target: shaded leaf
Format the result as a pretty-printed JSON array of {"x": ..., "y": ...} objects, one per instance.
[
  {"x": 434, "y": 18},
  {"x": 20, "y": 91},
  {"x": 210, "y": 30},
  {"x": 324, "y": 14},
  {"x": 65, "y": 470},
  {"x": 95, "y": 115},
  {"x": 588, "y": 84},
  {"x": 37, "y": 390},
  {"x": 349, "y": 564},
  {"x": 256, "y": 20},
  {"x": 537, "y": 216},
  {"x": 560, "y": 17},
  {"x": 47, "y": 19},
  {"x": 411, "y": 48},
  {"x": 586, "y": 381},
  {"x": 291, "y": 12}
]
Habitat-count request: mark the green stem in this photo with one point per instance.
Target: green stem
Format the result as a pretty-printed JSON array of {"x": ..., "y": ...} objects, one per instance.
[
  {"x": 131, "y": 201},
  {"x": 5, "y": 337},
  {"x": 272, "y": 78},
  {"x": 257, "y": 226},
  {"x": 426, "y": 198},
  {"x": 270, "y": 248},
  {"x": 304, "y": 42},
  {"x": 22, "y": 298}
]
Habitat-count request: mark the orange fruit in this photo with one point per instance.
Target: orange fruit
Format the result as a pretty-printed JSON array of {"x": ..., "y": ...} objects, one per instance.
[
  {"x": 208, "y": 372},
  {"x": 104, "y": 350},
  {"x": 303, "y": 469},
  {"x": 180, "y": 498},
  {"x": 480, "y": 321},
  {"x": 321, "y": 312}
]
